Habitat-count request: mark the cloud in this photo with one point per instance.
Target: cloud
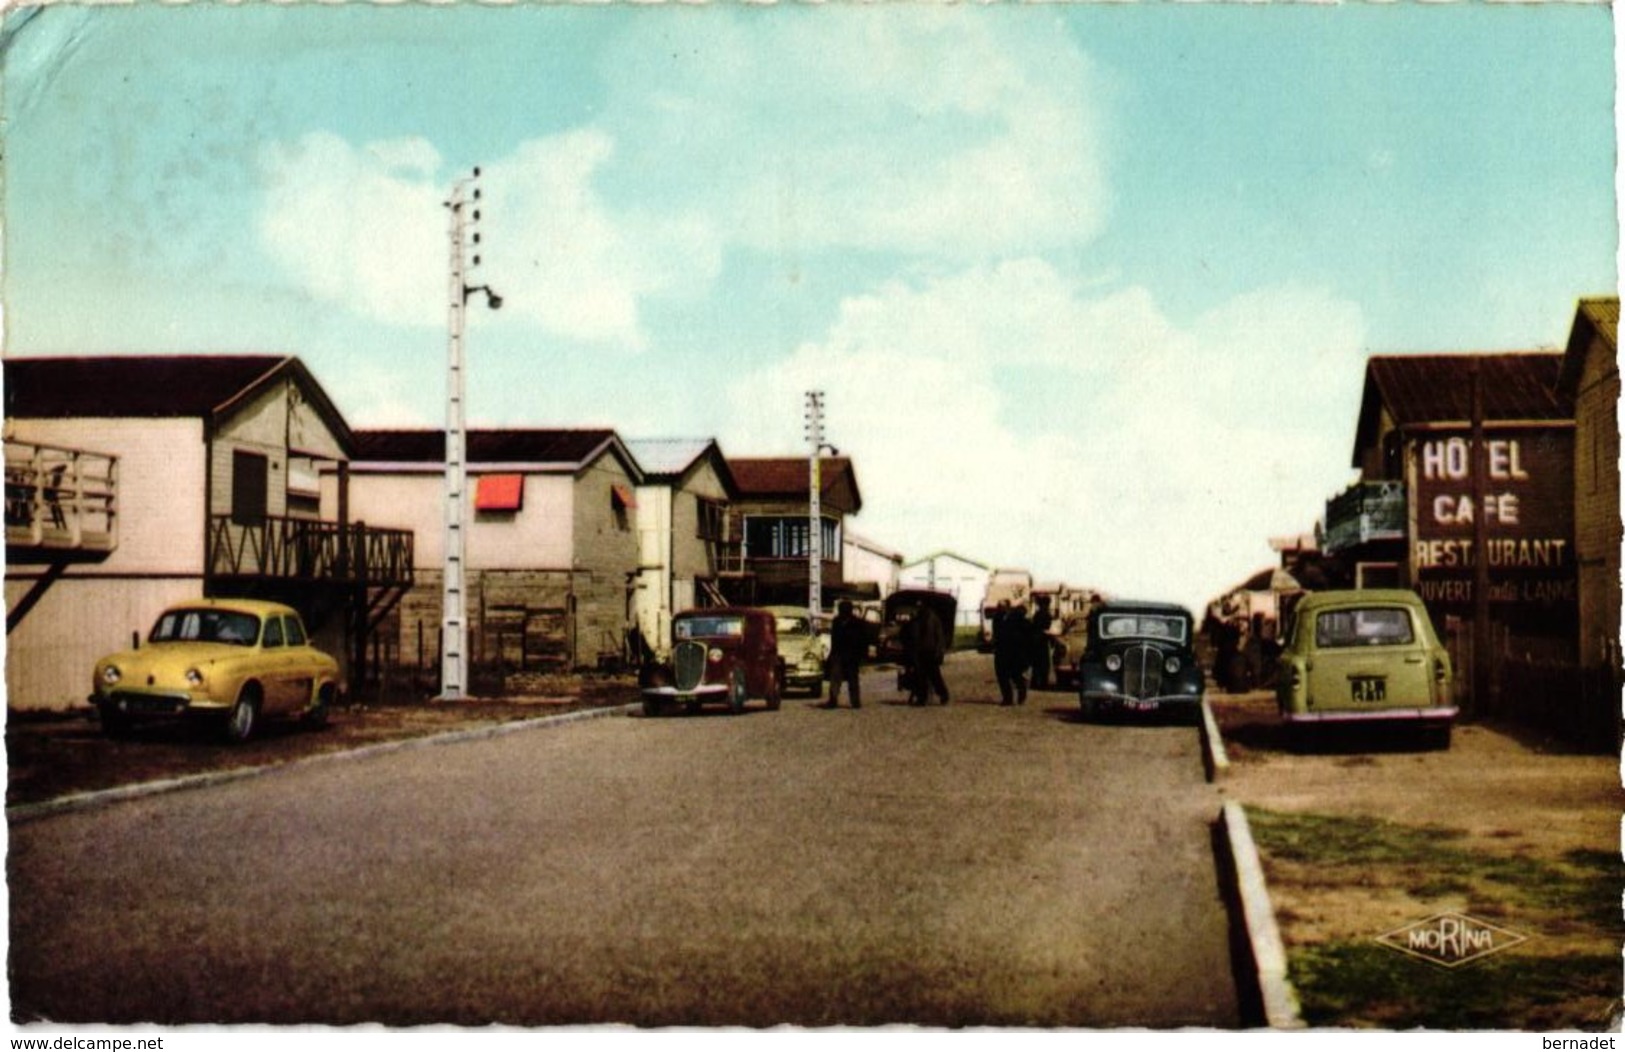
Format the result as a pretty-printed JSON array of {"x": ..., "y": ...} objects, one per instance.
[
  {"x": 1184, "y": 446},
  {"x": 928, "y": 129},
  {"x": 365, "y": 227}
]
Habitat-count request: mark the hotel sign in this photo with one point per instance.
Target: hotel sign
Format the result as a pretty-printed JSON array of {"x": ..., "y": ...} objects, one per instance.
[{"x": 1528, "y": 513}]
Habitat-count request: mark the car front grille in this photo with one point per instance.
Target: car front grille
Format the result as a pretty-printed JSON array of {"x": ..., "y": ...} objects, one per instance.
[
  {"x": 688, "y": 664},
  {"x": 138, "y": 704},
  {"x": 1142, "y": 672}
]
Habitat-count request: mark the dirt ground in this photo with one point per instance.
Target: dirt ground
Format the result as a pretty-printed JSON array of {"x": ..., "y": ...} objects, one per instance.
[
  {"x": 50, "y": 755},
  {"x": 1504, "y": 826}
]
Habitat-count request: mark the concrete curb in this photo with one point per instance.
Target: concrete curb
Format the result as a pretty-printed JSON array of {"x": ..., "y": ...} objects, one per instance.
[
  {"x": 1214, "y": 760},
  {"x": 1266, "y": 956},
  {"x": 85, "y": 801}
]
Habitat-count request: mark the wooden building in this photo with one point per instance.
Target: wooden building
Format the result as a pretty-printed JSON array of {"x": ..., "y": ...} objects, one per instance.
[
  {"x": 551, "y": 548},
  {"x": 1590, "y": 378},
  {"x": 136, "y": 482},
  {"x": 682, "y": 531},
  {"x": 769, "y": 529},
  {"x": 1412, "y": 517}
]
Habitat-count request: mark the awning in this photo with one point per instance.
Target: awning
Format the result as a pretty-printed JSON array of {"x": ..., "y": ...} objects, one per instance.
[
  {"x": 499, "y": 493},
  {"x": 623, "y": 496}
]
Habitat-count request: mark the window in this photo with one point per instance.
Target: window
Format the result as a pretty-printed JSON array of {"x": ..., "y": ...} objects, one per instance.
[
  {"x": 273, "y": 632},
  {"x": 206, "y": 626},
  {"x": 295, "y": 632},
  {"x": 710, "y": 515},
  {"x": 1370, "y": 626},
  {"x": 249, "y": 483},
  {"x": 784, "y": 537}
]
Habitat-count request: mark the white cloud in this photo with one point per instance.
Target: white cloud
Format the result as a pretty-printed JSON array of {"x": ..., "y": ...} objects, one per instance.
[
  {"x": 925, "y": 129},
  {"x": 1190, "y": 445},
  {"x": 366, "y": 227}
]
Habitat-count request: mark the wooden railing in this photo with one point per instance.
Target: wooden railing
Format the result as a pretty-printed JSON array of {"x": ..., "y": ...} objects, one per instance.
[
  {"x": 60, "y": 499},
  {"x": 309, "y": 550}
]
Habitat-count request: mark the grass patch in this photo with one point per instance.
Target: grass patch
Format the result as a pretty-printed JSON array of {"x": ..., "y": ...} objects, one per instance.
[
  {"x": 1361, "y": 983},
  {"x": 1430, "y": 862},
  {"x": 1354, "y": 984}
]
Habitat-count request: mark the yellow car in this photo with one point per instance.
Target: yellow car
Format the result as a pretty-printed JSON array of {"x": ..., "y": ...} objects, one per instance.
[
  {"x": 1363, "y": 656},
  {"x": 233, "y": 660},
  {"x": 803, "y": 649}
]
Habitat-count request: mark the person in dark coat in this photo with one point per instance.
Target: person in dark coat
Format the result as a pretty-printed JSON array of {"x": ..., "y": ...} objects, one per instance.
[
  {"x": 1012, "y": 650},
  {"x": 927, "y": 644},
  {"x": 848, "y": 646},
  {"x": 1041, "y": 653}
]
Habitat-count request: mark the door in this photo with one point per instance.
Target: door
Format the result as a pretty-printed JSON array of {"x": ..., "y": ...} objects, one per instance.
[{"x": 1368, "y": 658}]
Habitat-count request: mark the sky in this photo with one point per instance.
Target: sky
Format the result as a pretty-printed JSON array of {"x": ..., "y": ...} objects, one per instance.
[{"x": 1089, "y": 288}]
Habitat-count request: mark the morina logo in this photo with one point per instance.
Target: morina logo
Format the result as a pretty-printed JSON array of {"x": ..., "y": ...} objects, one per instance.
[{"x": 1451, "y": 939}]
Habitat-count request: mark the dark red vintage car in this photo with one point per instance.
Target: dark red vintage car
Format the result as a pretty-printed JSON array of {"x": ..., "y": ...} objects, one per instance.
[{"x": 727, "y": 655}]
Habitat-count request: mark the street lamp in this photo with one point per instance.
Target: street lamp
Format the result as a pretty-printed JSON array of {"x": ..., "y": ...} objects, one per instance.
[{"x": 454, "y": 594}]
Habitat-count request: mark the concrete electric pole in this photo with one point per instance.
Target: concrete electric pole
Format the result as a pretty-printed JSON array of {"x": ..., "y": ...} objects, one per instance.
[{"x": 465, "y": 217}]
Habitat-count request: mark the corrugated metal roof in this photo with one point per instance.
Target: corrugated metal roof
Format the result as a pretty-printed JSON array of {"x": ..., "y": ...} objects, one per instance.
[
  {"x": 1603, "y": 314},
  {"x": 1438, "y": 387},
  {"x": 145, "y": 386},
  {"x": 425, "y": 446},
  {"x": 763, "y": 477},
  {"x": 667, "y": 456}
]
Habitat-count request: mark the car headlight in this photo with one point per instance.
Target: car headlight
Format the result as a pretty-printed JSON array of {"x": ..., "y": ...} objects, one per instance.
[
  {"x": 111, "y": 675},
  {"x": 194, "y": 678},
  {"x": 1114, "y": 662},
  {"x": 714, "y": 654},
  {"x": 1171, "y": 665}
]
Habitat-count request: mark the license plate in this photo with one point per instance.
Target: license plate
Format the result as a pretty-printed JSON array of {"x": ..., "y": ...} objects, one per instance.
[
  {"x": 1368, "y": 688},
  {"x": 1140, "y": 706}
]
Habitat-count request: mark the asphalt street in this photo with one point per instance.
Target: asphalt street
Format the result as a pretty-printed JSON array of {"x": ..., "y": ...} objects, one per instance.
[{"x": 967, "y": 865}]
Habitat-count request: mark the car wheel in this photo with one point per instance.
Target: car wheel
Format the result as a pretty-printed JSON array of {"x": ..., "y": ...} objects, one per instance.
[
  {"x": 651, "y": 707},
  {"x": 244, "y": 715},
  {"x": 736, "y": 691},
  {"x": 316, "y": 718}
]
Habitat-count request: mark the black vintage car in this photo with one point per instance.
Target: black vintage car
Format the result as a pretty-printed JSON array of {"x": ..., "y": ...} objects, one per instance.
[
  {"x": 1139, "y": 658},
  {"x": 900, "y": 608}
]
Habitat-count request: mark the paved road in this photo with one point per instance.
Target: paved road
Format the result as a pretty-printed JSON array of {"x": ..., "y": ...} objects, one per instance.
[{"x": 959, "y": 865}]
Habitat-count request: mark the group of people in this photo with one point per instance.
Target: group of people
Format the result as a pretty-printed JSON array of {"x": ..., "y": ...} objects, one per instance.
[
  {"x": 1021, "y": 647},
  {"x": 924, "y": 639}
]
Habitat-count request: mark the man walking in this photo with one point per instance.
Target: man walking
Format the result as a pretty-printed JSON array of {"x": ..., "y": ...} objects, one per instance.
[
  {"x": 1040, "y": 633},
  {"x": 848, "y": 646},
  {"x": 1012, "y": 649},
  {"x": 928, "y": 646}
]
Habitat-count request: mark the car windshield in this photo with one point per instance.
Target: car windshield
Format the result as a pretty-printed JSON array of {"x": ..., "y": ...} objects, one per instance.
[
  {"x": 1154, "y": 626},
  {"x": 709, "y": 627},
  {"x": 790, "y": 625},
  {"x": 206, "y": 626},
  {"x": 1363, "y": 627}
]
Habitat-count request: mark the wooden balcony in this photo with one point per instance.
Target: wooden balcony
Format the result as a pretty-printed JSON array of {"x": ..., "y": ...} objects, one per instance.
[
  {"x": 309, "y": 551},
  {"x": 61, "y": 503},
  {"x": 1365, "y": 512}
]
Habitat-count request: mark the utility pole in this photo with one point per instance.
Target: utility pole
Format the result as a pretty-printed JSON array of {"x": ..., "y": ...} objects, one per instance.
[
  {"x": 815, "y": 489},
  {"x": 1481, "y": 561},
  {"x": 454, "y": 592}
]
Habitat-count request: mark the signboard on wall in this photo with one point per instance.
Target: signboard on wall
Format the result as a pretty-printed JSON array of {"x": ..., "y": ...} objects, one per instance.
[{"x": 1528, "y": 513}]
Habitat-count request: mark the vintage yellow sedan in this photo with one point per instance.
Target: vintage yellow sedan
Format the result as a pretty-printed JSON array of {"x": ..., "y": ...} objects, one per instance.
[{"x": 235, "y": 661}]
